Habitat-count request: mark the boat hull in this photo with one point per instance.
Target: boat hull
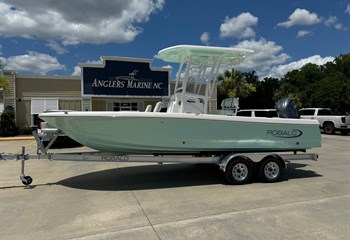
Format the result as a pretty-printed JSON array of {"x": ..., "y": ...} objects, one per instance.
[{"x": 165, "y": 133}]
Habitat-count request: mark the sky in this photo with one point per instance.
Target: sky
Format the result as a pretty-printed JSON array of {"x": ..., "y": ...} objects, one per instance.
[{"x": 50, "y": 37}]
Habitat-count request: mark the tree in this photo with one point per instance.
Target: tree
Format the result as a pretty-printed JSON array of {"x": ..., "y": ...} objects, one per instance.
[
  {"x": 264, "y": 95},
  {"x": 234, "y": 84},
  {"x": 342, "y": 65},
  {"x": 319, "y": 86},
  {"x": 4, "y": 84},
  {"x": 333, "y": 92},
  {"x": 8, "y": 124}
]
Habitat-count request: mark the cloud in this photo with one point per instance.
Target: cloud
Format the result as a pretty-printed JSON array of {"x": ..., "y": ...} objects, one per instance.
[
  {"x": 339, "y": 26},
  {"x": 35, "y": 62},
  {"x": 333, "y": 22},
  {"x": 330, "y": 21},
  {"x": 56, "y": 47},
  {"x": 268, "y": 59},
  {"x": 77, "y": 69},
  {"x": 300, "y": 17},
  {"x": 167, "y": 67},
  {"x": 2, "y": 61},
  {"x": 239, "y": 27},
  {"x": 74, "y": 22},
  {"x": 347, "y": 10},
  {"x": 281, "y": 70},
  {"x": 205, "y": 38},
  {"x": 303, "y": 33},
  {"x": 266, "y": 54}
]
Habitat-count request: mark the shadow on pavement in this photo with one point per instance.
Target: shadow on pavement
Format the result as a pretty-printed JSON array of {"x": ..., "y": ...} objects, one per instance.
[
  {"x": 295, "y": 171},
  {"x": 147, "y": 177},
  {"x": 164, "y": 176},
  {"x": 159, "y": 177}
]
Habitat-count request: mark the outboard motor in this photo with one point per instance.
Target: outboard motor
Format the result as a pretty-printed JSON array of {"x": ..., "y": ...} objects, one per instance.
[{"x": 286, "y": 108}]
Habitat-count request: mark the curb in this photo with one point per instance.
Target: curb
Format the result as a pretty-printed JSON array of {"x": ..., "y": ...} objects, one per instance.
[{"x": 8, "y": 139}]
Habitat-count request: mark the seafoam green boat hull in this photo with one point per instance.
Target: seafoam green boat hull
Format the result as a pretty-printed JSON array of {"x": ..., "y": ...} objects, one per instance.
[{"x": 161, "y": 133}]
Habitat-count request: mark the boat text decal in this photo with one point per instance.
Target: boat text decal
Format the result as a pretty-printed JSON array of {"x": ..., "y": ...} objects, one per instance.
[
  {"x": 115, "y": 158},
  {"x": 285, "y": 133}
]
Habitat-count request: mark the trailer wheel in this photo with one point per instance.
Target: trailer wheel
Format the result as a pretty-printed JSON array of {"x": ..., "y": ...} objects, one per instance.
[
  {"x": 28, "y": 180},
  {"x": 239, "y": 171},
  {"x": 270, "y": 169}
]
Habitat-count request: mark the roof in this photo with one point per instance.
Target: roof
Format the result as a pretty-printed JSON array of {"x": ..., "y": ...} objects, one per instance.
[{"x": 203, "y": 54}]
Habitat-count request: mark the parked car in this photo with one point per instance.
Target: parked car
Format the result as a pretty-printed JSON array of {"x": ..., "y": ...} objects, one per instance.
[
  {"x": 269, "y": 113},
  {"x": 328, "y": 121}
]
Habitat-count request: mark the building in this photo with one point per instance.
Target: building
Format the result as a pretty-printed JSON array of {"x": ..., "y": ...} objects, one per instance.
[
  {"x": 1, "y": 89},
  {"x": 117, "y": 84}
]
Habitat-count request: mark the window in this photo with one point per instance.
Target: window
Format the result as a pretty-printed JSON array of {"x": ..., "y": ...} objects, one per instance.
[
  {"x": 324, "y": 112},
  {"x": 244, "y": 114},
  {"x": 70, "y": 105},
  {"x": 261, "y": 113},
  {"x": 258, "y": 113},
  {"x": 125, "y": 106},
  {"x": 272, "y": 113},
  {"x": 116, "y": 106},
  {"x": 41, "y": 105},
  {"x": 307, "y": 112}
]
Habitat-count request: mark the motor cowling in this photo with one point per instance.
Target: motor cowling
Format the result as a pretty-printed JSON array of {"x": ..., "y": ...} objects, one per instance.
[{"x": 286, "y": 108}]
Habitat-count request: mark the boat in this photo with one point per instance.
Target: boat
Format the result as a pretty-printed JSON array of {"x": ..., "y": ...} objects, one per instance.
[{"x": 187, "y": 127}]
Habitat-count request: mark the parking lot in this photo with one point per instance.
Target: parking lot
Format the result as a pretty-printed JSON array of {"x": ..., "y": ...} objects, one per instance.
[{"x": 77, "y": 200}]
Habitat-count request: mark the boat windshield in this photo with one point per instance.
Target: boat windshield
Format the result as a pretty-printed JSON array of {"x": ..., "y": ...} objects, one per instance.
[{"x": 194, "y": 80}]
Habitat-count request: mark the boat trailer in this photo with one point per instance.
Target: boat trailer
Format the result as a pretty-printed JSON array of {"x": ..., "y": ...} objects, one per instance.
[{"x": 238, "y": 167}]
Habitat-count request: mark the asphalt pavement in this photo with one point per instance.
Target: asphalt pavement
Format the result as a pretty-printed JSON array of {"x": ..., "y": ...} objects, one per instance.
[{"x": 85, "y": 200}]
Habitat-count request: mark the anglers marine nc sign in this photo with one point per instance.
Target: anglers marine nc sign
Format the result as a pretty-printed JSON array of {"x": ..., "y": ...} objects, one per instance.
[{"x": 124, "y": 77}]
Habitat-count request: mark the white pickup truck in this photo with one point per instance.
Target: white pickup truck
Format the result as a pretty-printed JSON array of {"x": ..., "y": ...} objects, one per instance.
[{"x": 328, "y": 121}]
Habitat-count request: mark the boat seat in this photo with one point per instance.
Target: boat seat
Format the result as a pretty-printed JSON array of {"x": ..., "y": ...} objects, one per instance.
[
  {"x": 148, "y": 108},
  {"x": 158, "y": 107}
]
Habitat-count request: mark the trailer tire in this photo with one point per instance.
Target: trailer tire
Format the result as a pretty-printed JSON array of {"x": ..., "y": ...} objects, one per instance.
[
  {"x": 239, "y": 171},
  {"x": 270, "y": 170}
]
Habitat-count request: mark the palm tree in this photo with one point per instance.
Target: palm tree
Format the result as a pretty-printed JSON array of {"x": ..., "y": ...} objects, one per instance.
[
  {"x": 234, "y": 84},
  {"x": 4, "y": 84}
]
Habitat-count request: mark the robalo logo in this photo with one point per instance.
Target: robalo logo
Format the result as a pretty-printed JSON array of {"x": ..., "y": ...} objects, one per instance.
[{"x": 285, "y": 133}]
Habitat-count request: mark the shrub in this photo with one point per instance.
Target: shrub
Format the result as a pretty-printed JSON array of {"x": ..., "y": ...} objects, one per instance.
[
  {"x": 25, "y": 130},
  {"x": 7, "y": 124}
]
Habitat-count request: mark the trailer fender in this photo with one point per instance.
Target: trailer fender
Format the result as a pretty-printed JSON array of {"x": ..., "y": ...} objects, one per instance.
[{"x": 224, "y": 162}]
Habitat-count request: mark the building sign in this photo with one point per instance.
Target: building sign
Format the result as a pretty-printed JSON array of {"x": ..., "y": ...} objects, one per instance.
[{"x": 124, "y": 77}]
